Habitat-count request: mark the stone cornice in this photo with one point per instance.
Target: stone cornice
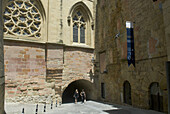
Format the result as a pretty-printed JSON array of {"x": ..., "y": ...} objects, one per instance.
[{"x": 51, "y": 43}]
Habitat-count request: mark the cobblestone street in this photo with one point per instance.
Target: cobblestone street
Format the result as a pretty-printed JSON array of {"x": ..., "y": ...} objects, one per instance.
[{"x": 90, "y": 107}]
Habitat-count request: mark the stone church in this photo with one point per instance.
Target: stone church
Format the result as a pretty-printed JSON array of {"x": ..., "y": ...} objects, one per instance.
[
  {"x": 114, "y": 49},
  {"x": 48, "y": 47}
]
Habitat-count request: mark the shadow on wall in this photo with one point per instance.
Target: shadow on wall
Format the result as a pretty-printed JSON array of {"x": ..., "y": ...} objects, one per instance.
[{"x": 67, "y": 96}]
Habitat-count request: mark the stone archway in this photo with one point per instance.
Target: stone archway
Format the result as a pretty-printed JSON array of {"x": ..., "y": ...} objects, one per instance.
[
  {"x": 156, "y": 98},
  {"x": 127, "y": 92},
  {"x": 67, "y": 96}
]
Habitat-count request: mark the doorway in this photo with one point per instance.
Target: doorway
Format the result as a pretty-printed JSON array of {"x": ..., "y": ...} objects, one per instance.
[
  {"x": 127, "y": 93},
  {"x": 67, "y": 96},
  {"x": 156, "y": 98}
]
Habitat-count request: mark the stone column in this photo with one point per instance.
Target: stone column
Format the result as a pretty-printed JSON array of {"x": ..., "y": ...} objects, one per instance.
[{"x": 2, "y": 78}]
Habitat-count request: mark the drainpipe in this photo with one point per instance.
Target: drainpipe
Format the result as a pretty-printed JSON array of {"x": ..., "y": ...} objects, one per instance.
[{"x": 168, "y": 83}]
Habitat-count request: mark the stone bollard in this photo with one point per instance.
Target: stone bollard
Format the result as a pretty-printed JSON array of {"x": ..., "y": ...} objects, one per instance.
[
  {"x": 51, "y": 104},
  {"x": 23, "y": 111},
  {"x": 36, "y": 111},
  {"x": 56, "y": 103},
  {"x": 45, "y": 107}
]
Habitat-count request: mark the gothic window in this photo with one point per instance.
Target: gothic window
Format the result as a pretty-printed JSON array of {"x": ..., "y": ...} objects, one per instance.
[
  {"x": 79, "y": 28},
  {"x": 22, "y": 18}
]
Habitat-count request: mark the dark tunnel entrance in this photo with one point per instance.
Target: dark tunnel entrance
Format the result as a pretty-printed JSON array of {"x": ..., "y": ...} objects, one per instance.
[{"x": 67, "y": 96}]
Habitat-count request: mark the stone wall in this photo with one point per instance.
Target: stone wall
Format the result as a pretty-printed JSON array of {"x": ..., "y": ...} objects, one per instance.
[
  {"x": 25, "y": 70},
  {"x": 77, "y": 64},
  {"x": 55, "y": 67},
  {"x": 39, "y": 72},
  {"x": 166, "y": 16},
  {"x": 150, "y": 49},
  {"x": 2, "y": 78}
]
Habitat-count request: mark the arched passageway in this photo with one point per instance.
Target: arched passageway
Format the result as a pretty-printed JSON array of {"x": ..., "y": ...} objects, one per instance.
[
  {"x": 67, "y": 96},
  {"x": 127, "y": 92},
  {"x": 156, "y": 98}
]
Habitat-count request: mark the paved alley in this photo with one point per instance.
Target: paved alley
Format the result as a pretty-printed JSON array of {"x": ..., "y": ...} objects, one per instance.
[{"x": 90, "y": 107}]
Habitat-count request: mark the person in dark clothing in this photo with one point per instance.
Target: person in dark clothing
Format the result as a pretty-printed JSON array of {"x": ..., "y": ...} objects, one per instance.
[
  {"x": 83, "y": 96},
  {"x": 76, "y": 95}
]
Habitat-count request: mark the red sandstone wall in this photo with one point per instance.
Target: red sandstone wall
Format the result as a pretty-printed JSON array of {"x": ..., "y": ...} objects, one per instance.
[
  {"x": 25, "y": 71},
  {"x": 77, "y": 63},
  {"x": 37, "y": 73}
]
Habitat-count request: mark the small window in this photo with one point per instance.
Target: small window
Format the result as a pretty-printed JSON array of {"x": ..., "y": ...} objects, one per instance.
[{"x": 102, "y": 90}]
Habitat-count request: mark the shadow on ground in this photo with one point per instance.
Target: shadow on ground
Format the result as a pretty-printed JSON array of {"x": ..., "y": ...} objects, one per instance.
[{"x": 119, "y": 111}]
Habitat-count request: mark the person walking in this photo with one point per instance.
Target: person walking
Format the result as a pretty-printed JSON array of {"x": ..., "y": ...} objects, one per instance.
[
  {"x": 83, "y": 96},
  {"x": 76, "y": 95}
]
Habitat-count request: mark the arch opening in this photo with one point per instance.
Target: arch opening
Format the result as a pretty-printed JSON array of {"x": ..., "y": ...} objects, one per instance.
[
  {"x": 127, "y": 93},
  {"x": 67, "y": 96},
  {"x": 156, "y": 98}
]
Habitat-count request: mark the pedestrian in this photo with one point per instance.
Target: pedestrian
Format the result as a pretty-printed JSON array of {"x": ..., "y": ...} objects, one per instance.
[
  {"x": 83, "y": 96},
  {"x": 76, "y": 95}
]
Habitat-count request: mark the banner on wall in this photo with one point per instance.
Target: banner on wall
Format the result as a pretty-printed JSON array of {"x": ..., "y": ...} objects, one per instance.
[{"x": 130, "y": 44}]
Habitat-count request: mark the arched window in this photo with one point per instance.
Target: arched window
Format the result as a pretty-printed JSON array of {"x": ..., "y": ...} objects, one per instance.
[
  {"x": 79, "y": 29},
  {"x": 81, "y": 15},
  {"x": 22, "y": 18}
]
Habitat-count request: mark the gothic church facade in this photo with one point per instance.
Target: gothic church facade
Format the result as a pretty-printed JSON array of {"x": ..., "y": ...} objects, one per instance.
[{"x": 48, "y": 46}]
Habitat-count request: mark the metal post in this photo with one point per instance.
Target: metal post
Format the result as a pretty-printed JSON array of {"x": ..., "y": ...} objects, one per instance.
[
  {"x": 56, "y": 103},
  {"x": 36, "y": 111},
  {"x": 51, "y": 104},
  {"x": 168, "y": 83},
  {"x": 45, "y": 107},
  {"x": 23, "y": 111}
]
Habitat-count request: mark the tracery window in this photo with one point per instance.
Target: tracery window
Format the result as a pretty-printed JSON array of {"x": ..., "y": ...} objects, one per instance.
[
  {"x": 22, "y": 18},
  {"x": 79, "y": 28}
]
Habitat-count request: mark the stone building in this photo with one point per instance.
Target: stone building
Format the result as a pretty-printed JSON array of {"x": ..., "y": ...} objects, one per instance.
[
  {"x": 143, "y": 83},
  {"x": 48, "y": 46}
]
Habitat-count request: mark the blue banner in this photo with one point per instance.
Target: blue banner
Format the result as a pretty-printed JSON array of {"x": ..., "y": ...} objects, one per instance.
[{"x": 130, "y": 47}]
